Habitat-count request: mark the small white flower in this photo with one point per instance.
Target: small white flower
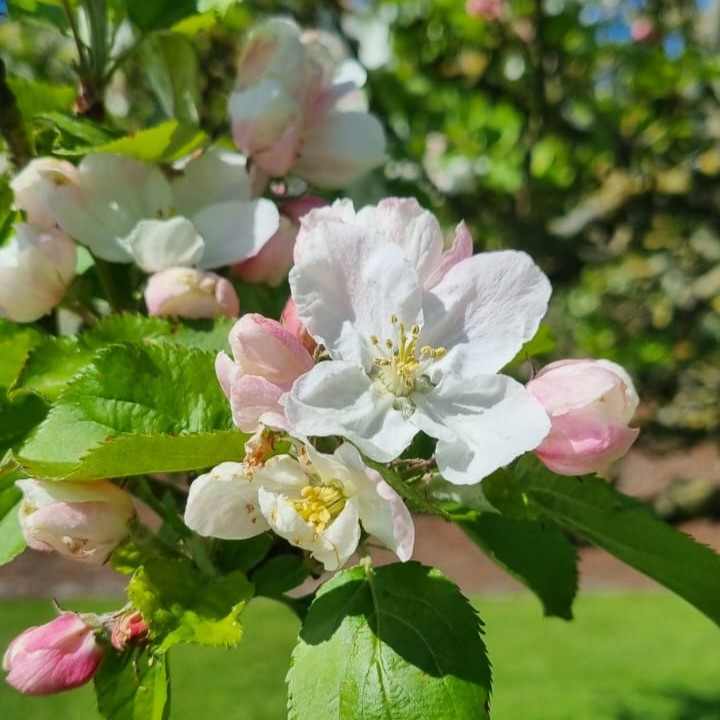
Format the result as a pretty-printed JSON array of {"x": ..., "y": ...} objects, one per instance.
[{"x": 317, "y": 502}]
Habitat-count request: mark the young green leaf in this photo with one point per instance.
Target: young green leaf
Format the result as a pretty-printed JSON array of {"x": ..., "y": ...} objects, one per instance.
[
  {"x": 183, "y": 605},
  {"x": 133, "y": 685},
  {"x": 12, "y": 542},
  {"x": 16, "y": 342},
  {"x": 54, "y": 361},
  {"x": 158, "y": 404},
  {"x": 398, "y": 642}
]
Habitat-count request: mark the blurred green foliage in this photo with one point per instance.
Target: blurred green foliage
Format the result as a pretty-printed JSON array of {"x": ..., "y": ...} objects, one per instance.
[{"x": 586, "y": 133}]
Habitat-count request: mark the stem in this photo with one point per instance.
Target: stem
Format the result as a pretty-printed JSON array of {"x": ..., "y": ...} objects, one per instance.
[
  {"x": 12, "y": 127},
  {"x": 104, "y": 273},
  {"x": 82, "y": 58}
]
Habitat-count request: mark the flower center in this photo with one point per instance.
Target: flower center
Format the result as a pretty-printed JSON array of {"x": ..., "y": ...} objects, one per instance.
[
  {"x": 402, "y": 362},
  {"x": 320, "y": 504}
]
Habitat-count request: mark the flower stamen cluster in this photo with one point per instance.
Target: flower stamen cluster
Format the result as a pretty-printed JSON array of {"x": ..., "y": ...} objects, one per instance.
[
  {"x": 399, "y": 372},
  {"x": 320, "y": 504}
]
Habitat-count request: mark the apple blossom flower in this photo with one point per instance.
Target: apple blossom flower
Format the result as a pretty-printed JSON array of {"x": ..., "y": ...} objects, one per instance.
[
  {"x": 36, "y": 267},
  {"x": 590, "y": 404},
  {"x": 267, "y": 359},
  {"x": 295, "y": 108},
  {"x": 272, "y": 264},
  {"x": 415, "y": 342},
  {"x": 82, "y": 520},
  {"x": 125, "y": 210},
  {"x": 29, "y": 188},
  {"x": 51, "y": 658},
  {"x": 317, "y": 502},
  {"x": 188, "y": 293}
]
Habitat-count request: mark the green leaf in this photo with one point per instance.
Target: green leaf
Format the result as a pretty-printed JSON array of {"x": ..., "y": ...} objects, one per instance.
[
  {"x": 16, "y": 342},
  {"x": 166, "y": 143},
  {"x": 627, "y": 529},
  {"x": 135, "y": 406},
  {"x": 535, "y": 553},
  {"x": 134, "y": 685},
  {"x": 8, "y": 214},
  {"x": 182, "y": 605},
  {"x": 12, "y": 542},
  {"x": 74, "y": 136},
  {"x": 219, "y": 6},
  {"x": 159, "y": 13},
  {"x": 280, "y": 574},
  {"x": 171, "y": 68},
  {"x": 135, "y": 454},
  {"x": 54, "y": 362},
  {"x": 398, "y": 641},
  {"x": 18, "y": 418},
  {"x": 37, "y": 97}
]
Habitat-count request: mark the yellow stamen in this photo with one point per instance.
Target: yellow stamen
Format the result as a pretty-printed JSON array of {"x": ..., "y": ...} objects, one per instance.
[{"x": 320, "y": 504}]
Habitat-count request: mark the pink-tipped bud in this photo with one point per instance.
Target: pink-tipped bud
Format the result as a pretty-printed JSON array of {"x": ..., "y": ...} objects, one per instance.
[
  {"x": 82, "y": 520},
  {"x": 129, "y": 628},
  {"x": 54, "y": 657},
  {"x": 590, "y": 404},
  {"x": 36, "y": 267},
  {"x": 272, "y": 264},
  {"x": 188, "y": 293},
  {"x": 267, "y": 359},
  {"x": 291, "y": 322}
]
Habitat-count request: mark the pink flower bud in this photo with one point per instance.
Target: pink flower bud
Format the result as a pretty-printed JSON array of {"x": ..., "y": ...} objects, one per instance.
[
  {"x": 267, "y": 359},
  {"x": 590, "y": 404},
  {"x": 31, "y": 185},
  {"x": 185, "y": 292},
  {"x": 128, "y": 628},
  {"x": 272, "y": 264},
  {"x": 54, "y": 657},
  {"x": 82, "y": 520},
  {"x": 36, "y": 267},
  {"x": 291, "y": 322}
]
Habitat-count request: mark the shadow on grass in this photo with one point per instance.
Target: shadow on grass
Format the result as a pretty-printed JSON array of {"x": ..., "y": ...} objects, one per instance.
[{"x": 685, "y": 706}]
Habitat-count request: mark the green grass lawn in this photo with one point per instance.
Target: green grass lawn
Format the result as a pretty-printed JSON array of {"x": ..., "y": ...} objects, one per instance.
[{"x": 624, "y": 657}]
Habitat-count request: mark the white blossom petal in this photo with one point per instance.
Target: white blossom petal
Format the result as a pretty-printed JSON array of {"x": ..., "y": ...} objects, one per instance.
[
  {"x": 348, "y": 285},
  {"x": 481, "y": 423},
  {"x": 494, "y": 301},
  {"x": 381, "y": 510},
  {"x": 234, "y": 230},
  {"x": 417, "y": 231},
  {"x": 156, "y": 245},
  {"x": 224, "y": 504},
  {"x": 338, "y": 398},
  {"x": 341, "y": 148}
]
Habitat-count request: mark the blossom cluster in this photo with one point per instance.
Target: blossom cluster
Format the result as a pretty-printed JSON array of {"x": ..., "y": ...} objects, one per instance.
[
  {"x": 180, "y": 224},
  {"x": 390, "y": 332}
]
